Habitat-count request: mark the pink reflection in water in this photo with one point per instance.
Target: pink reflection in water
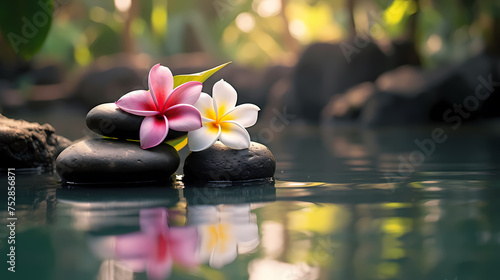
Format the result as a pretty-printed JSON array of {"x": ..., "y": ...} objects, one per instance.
[{"x": 155, "y": 248}]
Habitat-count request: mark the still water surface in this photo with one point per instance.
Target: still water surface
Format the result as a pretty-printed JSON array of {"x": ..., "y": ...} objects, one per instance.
[{"x": 346, "y": 204}]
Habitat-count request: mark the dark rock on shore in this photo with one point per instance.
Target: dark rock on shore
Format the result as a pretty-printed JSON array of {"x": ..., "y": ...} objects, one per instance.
[
  {"x": 48, "y": 75},
  {"x": 402, "y": 97},
  {"x": 28, "y": 145},
  {"x": 105, "y": 85},
  {"x": 103, "y": 160},
  {"x": 412, "y": 95},
  {"x": 328, "y": 69},
  {"x": 348, "y": 105},
  {"x": 325, "y": 70},
  {"x": 409, "y": 95},
  {"x": 221, "y": 163},
  {"x": 109, "y": 120}
]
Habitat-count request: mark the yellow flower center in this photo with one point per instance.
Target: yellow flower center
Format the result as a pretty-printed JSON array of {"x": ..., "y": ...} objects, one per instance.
[
  {"x": 218, "y": 235},
  {"x": 214, "y": 125}
]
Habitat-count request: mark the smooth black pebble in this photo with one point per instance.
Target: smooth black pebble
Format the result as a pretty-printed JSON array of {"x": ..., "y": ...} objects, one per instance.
[
  {"x": 220, "y": 163},
  {"x": 109, "y": 120},
  {"x": 106, "y": 160}
]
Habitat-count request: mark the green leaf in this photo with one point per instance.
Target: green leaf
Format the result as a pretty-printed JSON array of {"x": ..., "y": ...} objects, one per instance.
[
  {"x": 199, "y": 77},
  {"x": 178, "y": 143},
  {"x": 25, "y": 24}
]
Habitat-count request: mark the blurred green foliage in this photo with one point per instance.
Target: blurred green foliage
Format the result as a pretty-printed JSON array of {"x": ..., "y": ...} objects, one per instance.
[
  {"x": 256, "y": 32},
  {"x": 25, "y": 24}
]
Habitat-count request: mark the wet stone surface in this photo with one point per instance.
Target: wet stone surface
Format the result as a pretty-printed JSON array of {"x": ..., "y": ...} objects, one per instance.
[
  {"x": 220, "y": 163},
  {"x": 109, "y": 120},
  {"x": 105, "y": 160}
]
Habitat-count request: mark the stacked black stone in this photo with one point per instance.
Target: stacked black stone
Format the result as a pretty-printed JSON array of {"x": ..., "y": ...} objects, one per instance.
[
  {"x": 222, "y": 164},
  {"x": 118, "y": 160}
]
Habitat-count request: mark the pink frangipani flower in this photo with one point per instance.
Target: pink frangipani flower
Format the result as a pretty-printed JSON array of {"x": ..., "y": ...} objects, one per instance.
[{"x": 163, "y": 106}]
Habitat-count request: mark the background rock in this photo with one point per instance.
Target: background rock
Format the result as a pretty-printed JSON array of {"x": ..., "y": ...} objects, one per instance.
[
  {"x": 101, "y": 86},
  {"x": 409, "y": 95},
  {"x": 28, "y": 145},
  {"x": 324, "y": 70}
]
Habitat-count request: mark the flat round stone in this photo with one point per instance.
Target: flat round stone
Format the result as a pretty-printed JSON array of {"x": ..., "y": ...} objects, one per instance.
[
  {"x": 105, "y": 160},
  {"x": 109, "y": 120},
  {"x": 220, "y": 163}
]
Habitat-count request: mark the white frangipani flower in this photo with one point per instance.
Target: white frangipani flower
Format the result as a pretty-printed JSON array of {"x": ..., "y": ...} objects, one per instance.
[
  {"x": 224, "y": 231},
  {"x": 222, "y": 120}
]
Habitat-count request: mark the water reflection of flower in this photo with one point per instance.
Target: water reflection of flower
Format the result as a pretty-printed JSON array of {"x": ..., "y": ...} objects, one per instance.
[
  {"x": 154, "y": 249},
  {"x": 224, "y": 231}
]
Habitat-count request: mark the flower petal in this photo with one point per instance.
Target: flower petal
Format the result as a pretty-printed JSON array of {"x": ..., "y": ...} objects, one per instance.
[
  {"x": 160, "y": 269},
  {"x": 225, "y": 251},
  {"x": 206, "y": 120},
  {"x": 103, "y": 247},
  {"x": 244, "y": 114},
  {"x": 161, "y": 84},
  {"x": 133, "y": 245},
  {"x": 246, "y": 233},
  {"x": 224, "y": 97},
  {"x": 202, "y": 214},
  {"x": 183, "y": 117},
  {"x": 234, "y": 135},
  {"x": 137, "y": 102},
  {"x": 187, "y": 93},
  {"x": 136, "y": 265},
  {"x": 153, "y": 131},
  {"x": 207, "y": 238},
  {"x": 204, "y": 137},
  {"x": 206, "y": 106},
  {"x": 247, "y": 236},
  {"x": 183, "y": 242},
  {"x": 153, "y": 220}
]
